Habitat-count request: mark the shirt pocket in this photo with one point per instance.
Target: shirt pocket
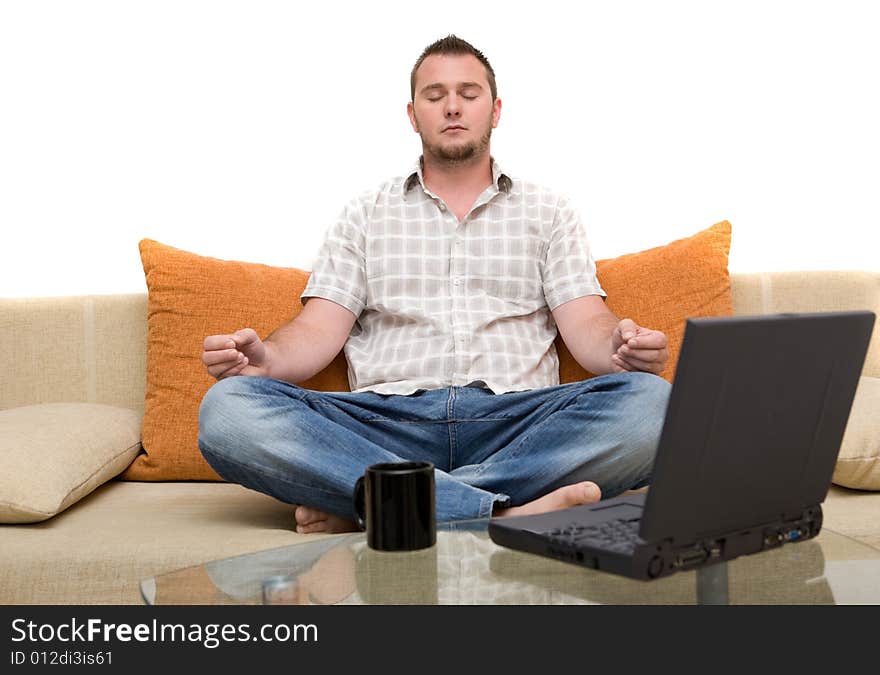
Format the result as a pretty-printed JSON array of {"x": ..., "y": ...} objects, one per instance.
[
  {"x": 509, "y": 270},
  {"x": 406, "y": 272}
]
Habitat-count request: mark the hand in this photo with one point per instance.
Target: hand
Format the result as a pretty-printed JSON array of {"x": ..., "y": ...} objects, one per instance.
[
  {"x": 638, "y": 349},
  {"x": 241, "y": 353}
]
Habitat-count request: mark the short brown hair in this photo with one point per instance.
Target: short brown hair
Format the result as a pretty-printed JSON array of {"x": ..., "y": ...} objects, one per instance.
[{"x": 453, "y": 44}]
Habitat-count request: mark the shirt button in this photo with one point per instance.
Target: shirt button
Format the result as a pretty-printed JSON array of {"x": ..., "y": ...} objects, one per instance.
[{"x": 442, "y": 207}]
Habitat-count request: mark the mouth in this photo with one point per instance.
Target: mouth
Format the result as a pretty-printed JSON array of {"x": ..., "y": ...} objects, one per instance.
[{"x": 454, "y": 127}]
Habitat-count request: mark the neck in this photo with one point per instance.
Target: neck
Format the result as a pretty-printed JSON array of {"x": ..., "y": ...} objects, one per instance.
[{"x": 441, "y": 177}]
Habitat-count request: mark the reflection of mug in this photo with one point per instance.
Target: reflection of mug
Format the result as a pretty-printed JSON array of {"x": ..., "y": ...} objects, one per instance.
[
  {"x": 397, "y": 577},
  {"x": 394, "y": 502}
]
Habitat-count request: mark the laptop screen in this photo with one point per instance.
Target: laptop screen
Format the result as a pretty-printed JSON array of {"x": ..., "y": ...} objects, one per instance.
[{"x": 755, "y": 420}]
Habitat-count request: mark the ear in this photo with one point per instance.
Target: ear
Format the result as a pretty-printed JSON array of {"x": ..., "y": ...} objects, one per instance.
[
  {"x": 496, "y": 112},
  {"x": 411, "y": 112}
]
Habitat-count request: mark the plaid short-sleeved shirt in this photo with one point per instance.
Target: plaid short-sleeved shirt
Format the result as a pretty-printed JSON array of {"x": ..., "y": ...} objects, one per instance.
[{"x": 445, "y": 303}]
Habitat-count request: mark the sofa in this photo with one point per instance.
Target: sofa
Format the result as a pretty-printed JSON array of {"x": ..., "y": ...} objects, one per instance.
[{"x": 97, "y": 549}]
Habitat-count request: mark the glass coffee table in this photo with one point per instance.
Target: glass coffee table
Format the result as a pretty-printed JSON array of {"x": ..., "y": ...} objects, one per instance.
[{"x": 466, "y": 567}]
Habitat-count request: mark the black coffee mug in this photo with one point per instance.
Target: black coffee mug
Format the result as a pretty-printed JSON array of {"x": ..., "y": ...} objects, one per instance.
[{"x": 394, "y": 503}]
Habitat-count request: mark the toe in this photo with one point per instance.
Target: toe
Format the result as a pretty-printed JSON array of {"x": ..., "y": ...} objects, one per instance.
[
  {"x": 591, "y": 492},
  {"x": 304, "y": 515},
  {"x": 310, "y": 528}
]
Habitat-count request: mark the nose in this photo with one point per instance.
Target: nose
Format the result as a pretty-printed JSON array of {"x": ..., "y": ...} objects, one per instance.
[{"x": 453, "y": 109}]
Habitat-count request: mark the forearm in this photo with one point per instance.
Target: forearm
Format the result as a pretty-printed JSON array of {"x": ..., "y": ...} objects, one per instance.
[
  {"x": 299, "y": 350},
  {"x": 590, "y": 342}
]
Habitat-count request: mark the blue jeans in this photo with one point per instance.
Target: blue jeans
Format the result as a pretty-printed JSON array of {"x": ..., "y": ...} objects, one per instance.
[{"x": 309, "y": 447}]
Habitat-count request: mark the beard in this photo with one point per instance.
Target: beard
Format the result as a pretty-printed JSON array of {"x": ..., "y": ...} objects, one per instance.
[{"x": 458, "y": 154}]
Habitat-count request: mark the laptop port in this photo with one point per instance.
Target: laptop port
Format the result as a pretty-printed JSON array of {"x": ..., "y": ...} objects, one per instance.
[
  {"x": 690, "y": 558},
  {"x": 774, "y": 538},
  {"x": 797, "y": 533}
]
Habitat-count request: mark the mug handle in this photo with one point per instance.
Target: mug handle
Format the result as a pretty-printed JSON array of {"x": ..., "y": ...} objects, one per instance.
[{"x": 359, "y": 499}]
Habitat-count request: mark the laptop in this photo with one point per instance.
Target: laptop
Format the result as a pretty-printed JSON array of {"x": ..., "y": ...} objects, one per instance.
[{"x": 750, "y": 439}]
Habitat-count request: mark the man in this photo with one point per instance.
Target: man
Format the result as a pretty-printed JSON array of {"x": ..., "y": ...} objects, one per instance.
[{"x": 445, "y": 288}]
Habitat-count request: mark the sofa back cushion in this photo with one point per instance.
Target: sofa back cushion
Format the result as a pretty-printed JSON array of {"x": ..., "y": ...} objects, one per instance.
[
  {"x": 84, "y": 349},
  {"x": 812, "y": 291}
]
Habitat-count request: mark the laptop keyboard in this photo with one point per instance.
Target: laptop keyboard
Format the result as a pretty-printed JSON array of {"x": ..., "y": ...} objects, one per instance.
[{"x": 613, "y": 535}]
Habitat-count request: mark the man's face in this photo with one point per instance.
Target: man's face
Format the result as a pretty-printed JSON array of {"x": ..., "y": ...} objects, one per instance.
[{"x": 452, "y": 109}]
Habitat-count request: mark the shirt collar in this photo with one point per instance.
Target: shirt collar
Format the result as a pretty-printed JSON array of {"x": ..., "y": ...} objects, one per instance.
[{"x": 499, "y": 178}]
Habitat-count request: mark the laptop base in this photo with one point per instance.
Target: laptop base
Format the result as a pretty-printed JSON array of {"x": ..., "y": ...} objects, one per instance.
[{"x": 648, "y": 560}]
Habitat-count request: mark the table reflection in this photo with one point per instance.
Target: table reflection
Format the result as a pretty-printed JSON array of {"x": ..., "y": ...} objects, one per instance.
[{"x": 466, "y": 567}]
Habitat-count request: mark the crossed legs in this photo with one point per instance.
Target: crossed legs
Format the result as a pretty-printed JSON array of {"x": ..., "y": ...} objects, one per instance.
[{"x": 516, "y": 453}]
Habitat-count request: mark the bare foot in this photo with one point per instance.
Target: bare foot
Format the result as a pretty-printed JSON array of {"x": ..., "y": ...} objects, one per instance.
[
  {"x": 561, "y": 498},
  {"x": 312, "y": 521}
]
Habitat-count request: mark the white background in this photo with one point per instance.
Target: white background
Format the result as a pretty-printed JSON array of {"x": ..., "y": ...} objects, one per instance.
[{"x": 239, "y": 129}]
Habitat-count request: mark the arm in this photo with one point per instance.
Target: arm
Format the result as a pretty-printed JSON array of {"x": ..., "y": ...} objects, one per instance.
[
  {"x": 306, "y": 345},
  {"x": 295, "y": 352},
  {"x": 586, "y": 326},
  {"x": 601, "y": 343}
]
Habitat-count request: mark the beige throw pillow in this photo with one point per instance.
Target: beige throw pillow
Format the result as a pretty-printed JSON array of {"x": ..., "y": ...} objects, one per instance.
[
  {"x": 858, "y": 464},
  {"x": 54, "y": 454}
]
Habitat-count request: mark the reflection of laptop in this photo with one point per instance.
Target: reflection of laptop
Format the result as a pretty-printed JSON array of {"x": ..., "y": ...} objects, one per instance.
[
  {"x": 753, "y": 427},
  {"x": 787, "y": 575}
]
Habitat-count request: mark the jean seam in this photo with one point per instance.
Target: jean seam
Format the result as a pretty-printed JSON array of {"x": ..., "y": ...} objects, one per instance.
[
  {"x": 400, "y": 421},
  {"x": 453, "y": 441},
  {"x": 409, "y": 421},
  {"x": 280, "y": 477},
  {"x": 374, "y": 418}
]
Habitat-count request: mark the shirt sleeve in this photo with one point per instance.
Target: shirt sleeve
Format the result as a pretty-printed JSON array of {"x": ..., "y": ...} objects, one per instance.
[
  {"x": 568, "y": 271},
  {"x": 339, "y": 272}
]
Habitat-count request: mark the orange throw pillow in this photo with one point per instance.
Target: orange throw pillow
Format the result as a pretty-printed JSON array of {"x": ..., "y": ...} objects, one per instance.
[
  {"x": 189, "y": 298},
  {"x": 661, "y": 287}
]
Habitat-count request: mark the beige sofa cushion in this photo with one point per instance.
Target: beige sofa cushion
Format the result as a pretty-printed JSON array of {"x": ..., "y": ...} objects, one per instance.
[
  {"x": 858, "y": 464},
  {"x": 98, "y": 551},
  {"x": 54, "y": 454}
]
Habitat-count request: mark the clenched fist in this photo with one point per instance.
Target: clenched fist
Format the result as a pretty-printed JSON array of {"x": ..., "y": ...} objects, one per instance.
[
  {"x": 240, "y": 353},
  {"x": 638, "y": 348}
]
